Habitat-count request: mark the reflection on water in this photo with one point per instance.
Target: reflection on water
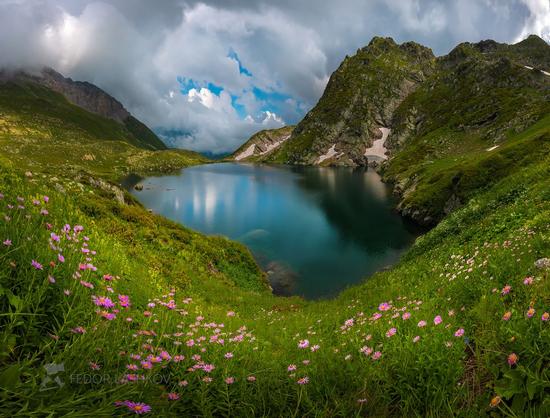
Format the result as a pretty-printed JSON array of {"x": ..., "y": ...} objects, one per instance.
[{"x": 314, "y": 230}]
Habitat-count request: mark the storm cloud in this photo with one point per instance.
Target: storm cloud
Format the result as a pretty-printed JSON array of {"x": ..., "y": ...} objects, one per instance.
[{"x": 208, "y": 74}]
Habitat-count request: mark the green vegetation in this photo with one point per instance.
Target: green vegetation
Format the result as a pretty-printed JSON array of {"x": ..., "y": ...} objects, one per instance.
[
  {"x": 148, "y": 317},
  {"x": 41, "y": 130}
]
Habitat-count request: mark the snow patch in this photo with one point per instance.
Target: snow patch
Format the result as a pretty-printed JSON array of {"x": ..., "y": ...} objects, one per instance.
[
  {"x": 246, "y": 153},
  {"x": 531, "y": 68},
  {"x": 378, "y": 150},
  {"x": 331, "y": 153}
]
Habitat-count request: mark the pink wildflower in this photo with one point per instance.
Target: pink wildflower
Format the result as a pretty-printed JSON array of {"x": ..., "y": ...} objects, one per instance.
[
  {"x": 438, "y": 320},
  {"x": 530, "y": 312},
  {"x": 512, "y": 359},
  {"x": 545, "y": 316},
  {"x": 422, "y": 324},
  {"x": 291, "y": 368},
  {"x": 124, "y": 301},
  {"x": 406, "y": 316},
  {"x": 528, "y": 281},
  {"x": 251, "y": 378},
  {"x": 60, "y": 258},
  {"x": 303, "y": 344},
  {"x": 459, "y": 332},
  {"x": 36, "y": 265},
  {"x": 384, "y": 306},
  {"x": 103, "y": 301},
  {"x": 416, "y": 339},
  {"x": 173, "y": 396},
  {"x": 230, "y": 313},
  {"x": 507, "y": 316},
  {"x": 78, "y": 330},
  {"x": 506, "y": 289},
  {"x": 230, "y": 380},
  {"x": 228, "y": 355},
  {"x": 376, "y": 355},
  {"x": 391, "y": 332},
  {"x": 138, "y": 407},
  {"x": 303, "y": 381},
  {"x": 7, "y": 242}
]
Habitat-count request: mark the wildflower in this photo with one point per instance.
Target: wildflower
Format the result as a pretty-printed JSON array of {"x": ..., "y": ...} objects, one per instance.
[
  {"x": 46, "y": 199},
  {"x": 208, "y": 368},
  {"x": 124, "y": 301},
  {"x": 251, "y": 378},
  {"x": 291, "y": 368},
  {"x": 416, "y": 339},
  {"x": 131, "y": 377},
  {"x": 54, "y": 237},
  {"x": 183, "y": 383},
  {"x": 103, "y": 301},
  {"x": 60, "y": 258},
  {"x": 78, "y": 330},
  {"x": 108, "y": 315},
  {"x": 94, "y": 366},
  {"x": 86, "y": 284},
  {"x": 361, "y": 401},
  {"x": 67, "y": 292},
  {"x": 366, "y": 350},
  {"x": 133, "y": 367},
  {"x": 422, "y": 324},
  {"x": 528, "y": 281},
  {"x": 507, "y": 316},
  {"x": 438, "y": 320},
  {"x": 7, "y": 242},
  {"x": 315, "y": 347},
  {"x": 495, "y": 401},
  {"x": 545, "y": 316},
  {"x": 230, "y": 313},
  {"x": 506, "y": 289},
  {"x": 384, "y": 306},
  {"x": 206, "y": 379},
  {"x": 147, "y": 313},
  {"x": 138, "y": 407},
  {"x": 376, "y": 355},
  {"x": 228, "y": 355},
  {"x": 229, "y": 380},
  {"x": 406, "y": 316},
  {"x": 303, "y": 381},
  {"x": 51, "y": 279},
  {"x": 147, "y": 365},
  {"x": 44, "y": 212},
  {"x": 164, "y": 355},
  {"x": 530, "y": 312},
  {"x": 36, "y": 265},
  {"x": 459, "y": 332},
  {"x": 303, "y": 344},
  {"x": 512, "y": 359},
  {"x": 173, "y": 396},
  {"x": 391, "y": 332}
]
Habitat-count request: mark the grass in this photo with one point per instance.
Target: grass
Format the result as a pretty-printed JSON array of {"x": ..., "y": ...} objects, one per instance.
[{"x": 457, "y": 271}]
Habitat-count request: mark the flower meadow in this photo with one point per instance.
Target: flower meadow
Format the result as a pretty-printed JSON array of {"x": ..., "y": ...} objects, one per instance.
[{"x": 120, "y": 313}]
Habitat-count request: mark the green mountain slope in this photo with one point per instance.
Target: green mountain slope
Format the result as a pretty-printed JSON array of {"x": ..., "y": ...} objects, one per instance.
[{"x": 40, "y": 128}]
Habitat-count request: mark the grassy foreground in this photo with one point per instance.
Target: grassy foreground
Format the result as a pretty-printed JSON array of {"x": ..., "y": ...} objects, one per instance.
[{"x": 146, "y": 316}]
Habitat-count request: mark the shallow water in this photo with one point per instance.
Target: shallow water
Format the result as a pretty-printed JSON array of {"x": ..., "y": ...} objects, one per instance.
[{"x": 315, "y": 230}]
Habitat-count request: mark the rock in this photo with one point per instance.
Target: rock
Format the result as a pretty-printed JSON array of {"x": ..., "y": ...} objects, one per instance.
[
  {"x": 138, "y": 187},
  {"x": 452, "y": 204},
  {"x": 543, "y": 263}
]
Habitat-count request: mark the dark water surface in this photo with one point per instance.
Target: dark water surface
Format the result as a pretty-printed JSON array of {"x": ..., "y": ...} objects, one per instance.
[{"x": 315, "y": 230}]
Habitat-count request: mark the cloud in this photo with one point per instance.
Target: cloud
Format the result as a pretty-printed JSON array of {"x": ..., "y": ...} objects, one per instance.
[{"x": 207, "y": 74}]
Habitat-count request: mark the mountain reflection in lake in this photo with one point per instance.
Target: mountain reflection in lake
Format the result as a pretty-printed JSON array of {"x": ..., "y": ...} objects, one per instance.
[{"x": 314, "y": 230}]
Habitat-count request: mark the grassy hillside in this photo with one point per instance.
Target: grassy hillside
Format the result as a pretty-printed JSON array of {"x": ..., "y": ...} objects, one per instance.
[
  {"x": 209, "y": 333},
  {"x": 41, "y": 130}
]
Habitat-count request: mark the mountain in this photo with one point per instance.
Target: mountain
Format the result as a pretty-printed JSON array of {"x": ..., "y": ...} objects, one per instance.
[
  {"x": 88, "y": 97},
  {"x": 262, "y": 144},
  {"x": 47, "y": 119},
  {"x": 434, "y": 123}
]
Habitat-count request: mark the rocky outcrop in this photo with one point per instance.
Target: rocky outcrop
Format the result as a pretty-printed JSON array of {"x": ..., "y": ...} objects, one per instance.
[
  {"x": 84, "y": 95},
  {"x": 262, "y": 144}
]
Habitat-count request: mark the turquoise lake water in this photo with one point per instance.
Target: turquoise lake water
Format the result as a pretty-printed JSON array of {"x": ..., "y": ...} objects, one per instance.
[{"x": 314, "y": 230}]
